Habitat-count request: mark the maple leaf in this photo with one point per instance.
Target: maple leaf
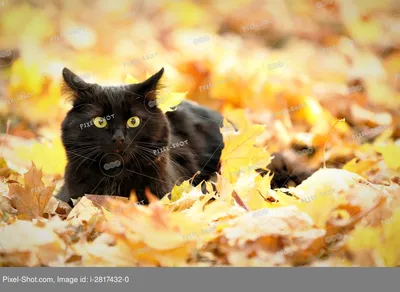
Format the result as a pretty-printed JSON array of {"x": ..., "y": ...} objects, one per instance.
[
  {"x": 240, "y": 153},
  {"x": 347, "y": 216},
  {"x": 253, "y": 189},
  {"x": 31, "y": 200},
  {"x": 166, "y": 100},
  {"x": 156, "y": 236}
]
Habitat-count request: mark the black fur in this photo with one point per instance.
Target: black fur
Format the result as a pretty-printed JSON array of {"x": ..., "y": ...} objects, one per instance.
[
  {"x": 163, "y": 150},
  {"x": 287, "y": 170}
]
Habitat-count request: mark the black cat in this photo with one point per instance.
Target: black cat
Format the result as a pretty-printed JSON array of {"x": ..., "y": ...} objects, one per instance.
[{"x": 118, "y": 140}]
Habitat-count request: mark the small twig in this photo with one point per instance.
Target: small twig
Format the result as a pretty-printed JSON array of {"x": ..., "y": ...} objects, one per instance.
[
  {"x": 327, "y": 136},
  {"x": 264, "y": 198},
  {"x": 240, "y": 201}
]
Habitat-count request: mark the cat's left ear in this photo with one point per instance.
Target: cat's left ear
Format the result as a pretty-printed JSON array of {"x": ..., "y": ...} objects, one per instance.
[{"x": 149, "y": 87}]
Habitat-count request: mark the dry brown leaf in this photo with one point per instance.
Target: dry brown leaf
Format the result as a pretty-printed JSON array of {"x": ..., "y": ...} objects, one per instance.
[
  {"x": 279, "y": 236},
  {"x": 31, "y": 200}
]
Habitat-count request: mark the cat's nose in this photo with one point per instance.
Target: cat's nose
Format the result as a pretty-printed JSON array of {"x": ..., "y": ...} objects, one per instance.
[
  {"x": 118, "y": 140},
  {"x": 118, "y": 137}
]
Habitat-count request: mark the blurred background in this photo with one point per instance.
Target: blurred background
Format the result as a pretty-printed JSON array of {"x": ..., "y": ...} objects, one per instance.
[{"x": 295, "y": 66}]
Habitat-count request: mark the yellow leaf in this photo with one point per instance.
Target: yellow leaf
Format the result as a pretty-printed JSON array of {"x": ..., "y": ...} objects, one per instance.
[
  {"x": 26, "y": 77},
  {"x": 365, "y": 31},
  {"x": 391, "y": 154},
  {"x": 166, "y": 100},
  {"x": 179, "y": 190},
  {"x": 4, "y": 169},
  {"x": 49, "y": 156},
  {"x": 323, "y": 192},
  {"x": 25, "y": 244},
  {"x": 239, "y": 147},
  {"x": 311, "y": 111},
  {"x": 385, "y": 241},
  {"x": 390, "y": 249},
  {"x": 359, "y": 166},
  {"x": 34, "y": 92},
  {"x": 251, "y": 187},
  {"x": 364, "y": 238},
  {"x": 129, "y": 79}
]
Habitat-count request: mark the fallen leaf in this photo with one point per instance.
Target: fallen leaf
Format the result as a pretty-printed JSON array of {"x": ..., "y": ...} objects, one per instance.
[
  {"x": 31, "y": 200},
  {"x": 391, "y": 154},
  {"x": 240, "y": 152},
  {"x": 25, "y": 244}
]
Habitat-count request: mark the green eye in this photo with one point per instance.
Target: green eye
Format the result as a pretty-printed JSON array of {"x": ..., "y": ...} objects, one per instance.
[
  {"x": 100, "y": 122},
  {"x": 133, "y": 122}
]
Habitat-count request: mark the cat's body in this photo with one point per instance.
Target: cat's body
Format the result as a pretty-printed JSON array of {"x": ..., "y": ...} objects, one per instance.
[
  {"x": 117, "y": 140},
  {"x": 115, "y": 159}
]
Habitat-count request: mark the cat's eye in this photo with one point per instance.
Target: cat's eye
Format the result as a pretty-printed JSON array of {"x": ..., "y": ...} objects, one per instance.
[
  {"x": 133, "y": 122},
  {"x": 100, "y": 122}
]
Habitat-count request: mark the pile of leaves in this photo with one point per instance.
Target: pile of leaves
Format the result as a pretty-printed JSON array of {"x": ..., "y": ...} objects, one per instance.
[{"x": 321, "y": 85}]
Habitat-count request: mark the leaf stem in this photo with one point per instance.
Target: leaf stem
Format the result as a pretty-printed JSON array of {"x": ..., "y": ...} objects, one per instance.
[{"x": 327, "y": 136}]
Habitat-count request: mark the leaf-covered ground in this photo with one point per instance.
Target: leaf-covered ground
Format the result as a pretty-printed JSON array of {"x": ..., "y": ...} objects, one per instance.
[{"x": 316, "y": 80}]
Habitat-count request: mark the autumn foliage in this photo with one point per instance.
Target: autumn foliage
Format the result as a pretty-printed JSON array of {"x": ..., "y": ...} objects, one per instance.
[{"x": 316, "y": 81}]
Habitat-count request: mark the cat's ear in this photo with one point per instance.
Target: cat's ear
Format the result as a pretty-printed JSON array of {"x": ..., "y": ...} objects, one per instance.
[
  {"x": 148, "y": 88},
  {"x": 73, "y": 81}
]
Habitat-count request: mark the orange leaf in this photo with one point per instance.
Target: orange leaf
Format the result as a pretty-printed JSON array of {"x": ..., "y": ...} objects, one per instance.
[{"x": 31, "y": 200}]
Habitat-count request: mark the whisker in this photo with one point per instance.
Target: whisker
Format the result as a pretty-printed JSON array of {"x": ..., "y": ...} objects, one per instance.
[{"x": 152, "y": 164}]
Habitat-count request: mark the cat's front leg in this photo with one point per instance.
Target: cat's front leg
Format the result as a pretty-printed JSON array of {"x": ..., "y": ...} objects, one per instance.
[
  {"x": 160, "y": 188},
  {"x": 69, "y": 192}
]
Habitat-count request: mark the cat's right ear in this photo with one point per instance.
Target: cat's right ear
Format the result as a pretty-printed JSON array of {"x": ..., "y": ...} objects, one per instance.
[
  {"x": 73, "y": 81},
  {"x": 75, "y": 88}
]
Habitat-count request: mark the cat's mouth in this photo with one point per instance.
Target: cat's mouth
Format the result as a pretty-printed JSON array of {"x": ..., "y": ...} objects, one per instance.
[{"x": 119, "y": 148}]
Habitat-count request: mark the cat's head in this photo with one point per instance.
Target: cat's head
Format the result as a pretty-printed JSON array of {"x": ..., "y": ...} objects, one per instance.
[{"x": 112, "y": 123}]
